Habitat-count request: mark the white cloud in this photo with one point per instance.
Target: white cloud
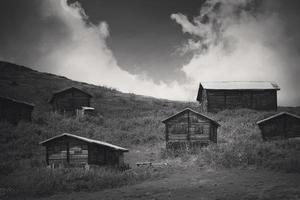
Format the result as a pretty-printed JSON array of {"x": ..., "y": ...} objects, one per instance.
[
  {"x": 84, "y": 56},
  {"x": 233, "y": 44}
]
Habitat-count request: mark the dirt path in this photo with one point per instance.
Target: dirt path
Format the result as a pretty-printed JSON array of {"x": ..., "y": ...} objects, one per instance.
[{"x": 198, "y": 184}]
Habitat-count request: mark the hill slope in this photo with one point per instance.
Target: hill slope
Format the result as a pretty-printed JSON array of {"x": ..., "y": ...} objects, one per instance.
[
  {"x": 127, "y": 120},
  {"x": 25, "y": 84}
]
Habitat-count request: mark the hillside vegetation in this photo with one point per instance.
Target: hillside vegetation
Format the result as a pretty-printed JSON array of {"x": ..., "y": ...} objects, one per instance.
[{"x": 128, "y": 120}]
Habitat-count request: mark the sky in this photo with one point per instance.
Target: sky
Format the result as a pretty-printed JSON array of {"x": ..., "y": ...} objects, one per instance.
[{"x": 159, "y": 48}]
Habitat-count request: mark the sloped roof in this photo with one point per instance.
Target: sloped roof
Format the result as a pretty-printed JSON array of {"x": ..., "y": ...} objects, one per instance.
[
  {"x": 193, "y": 111},
  {"x": 277, "y": 115},
  {"x": 92, "y": 141},
  {"x": 17, "y": 101},
  {"x": 66, "y": 89},
  {"x": 240, "y": 85}
]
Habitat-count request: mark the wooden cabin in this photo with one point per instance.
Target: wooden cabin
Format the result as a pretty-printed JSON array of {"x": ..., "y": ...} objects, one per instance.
[
  {"x": 217, "y": 96},
  {"x": 280, "y": 126},
  {"x": 68, "y": 150},
  {"x": 189, "y": 128},
  {"x": 15, "y": 111},
  {"x": 69, "y": 100}
]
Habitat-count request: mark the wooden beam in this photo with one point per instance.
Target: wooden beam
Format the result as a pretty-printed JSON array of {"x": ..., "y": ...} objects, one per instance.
[
  {"x": 188, "y": 127},
  {"x": 68, "y": 152},
  {"x": 47, "y": 155},
  {"x": 167, "y": 132}
]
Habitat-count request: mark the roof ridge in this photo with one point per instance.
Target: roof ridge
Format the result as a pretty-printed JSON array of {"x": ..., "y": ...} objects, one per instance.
[
  {"x": 188, "y": 108},
  {"x": 17, "y": 101},
  {"x": 277, "y": 115},
  {"x": 86, "y": 140}
]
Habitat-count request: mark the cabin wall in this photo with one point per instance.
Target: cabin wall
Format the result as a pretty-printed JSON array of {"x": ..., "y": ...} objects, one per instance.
[
  {"x": 229, "y": 99},
  {"x": 71, "y": 100},
  {"x": 189, "y": 129},
  {"x": 99, "y": 155},
  {"x": 292, "y": 127},
  {"x": 14, "y": 112},
  {"x": 274, "y": 128},
  {"x": 204, "y": 101},
  {"x": 283, "y": 126},
  {"x": 67, "y": 152},
  {"x": 71, "y": 152}
]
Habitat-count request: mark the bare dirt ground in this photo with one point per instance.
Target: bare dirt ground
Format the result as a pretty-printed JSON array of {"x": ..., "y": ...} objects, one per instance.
[{"x": 200, "y": 184}]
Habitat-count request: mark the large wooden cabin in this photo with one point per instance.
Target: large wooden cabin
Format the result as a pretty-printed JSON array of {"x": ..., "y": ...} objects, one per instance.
[
  {"x": 189, "y": 128},
  {"x": 217, "y": 96},
  {"x": 15, "y": 111},
  {"x": 68, "y": 150},
  {"x": 69, "y": 100},
  {"x": 280, "y": 126}
]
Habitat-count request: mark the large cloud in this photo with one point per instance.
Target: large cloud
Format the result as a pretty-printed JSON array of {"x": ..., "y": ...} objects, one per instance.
[
  {"x": 86, "y": 57},
  {"x": 233, "y": 41},
  {"x": 59, "y": 38}
]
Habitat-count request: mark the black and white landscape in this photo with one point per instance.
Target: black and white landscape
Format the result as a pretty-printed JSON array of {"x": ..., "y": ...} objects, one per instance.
[{"x": 139, "y": 99}]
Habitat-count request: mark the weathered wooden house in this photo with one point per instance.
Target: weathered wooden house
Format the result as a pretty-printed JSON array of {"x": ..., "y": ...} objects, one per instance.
[
  {"x": 69, "y": 100},
  {"x": 15, "y": 111},
  {"x": 216, "y": 96},
  {"x": 280, "y": 126},
  {"x": 68, "y": 150},
  {"x": 188, "y": 129}
]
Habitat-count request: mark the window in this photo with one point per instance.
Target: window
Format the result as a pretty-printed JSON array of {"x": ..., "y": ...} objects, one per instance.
[
  {"x": 178, "y": 128},
  {"x": 199, "y": 130}
]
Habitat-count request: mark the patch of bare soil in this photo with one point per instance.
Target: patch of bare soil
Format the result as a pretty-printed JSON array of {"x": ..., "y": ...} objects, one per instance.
[{"x": 197, "y": 184}]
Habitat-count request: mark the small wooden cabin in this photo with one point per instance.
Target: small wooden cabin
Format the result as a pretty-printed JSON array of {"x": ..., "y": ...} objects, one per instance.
[
  {"x": 69, "y": 100},
  {"x": 15, "y": 111},
  {"x": 217, "y": 96},
  {"x": 280, "y": 126},
  {"x": 68, "y": 150},
  {"x": 189, "y": 128}
]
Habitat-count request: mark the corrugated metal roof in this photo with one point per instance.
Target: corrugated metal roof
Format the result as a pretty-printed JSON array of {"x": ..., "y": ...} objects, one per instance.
[
  {"x": 191, "y": 110},
  {"x": 240, "y": 85},
  {"x": 277, "y": 115},
  {"x": 86, "y": 140}
]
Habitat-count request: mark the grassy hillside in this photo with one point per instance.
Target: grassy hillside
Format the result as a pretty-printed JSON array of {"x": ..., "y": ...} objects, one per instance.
[
  {"x": 124, "y": 119},
  {"x": 128, "y": 120}
]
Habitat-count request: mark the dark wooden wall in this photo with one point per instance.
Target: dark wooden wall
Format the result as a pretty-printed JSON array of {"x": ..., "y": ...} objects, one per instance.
[
  {"x": 101, "y": 155},
  {"x": 189, "y": 128},
  {"x": 70, "y": 100},
  {"x": 67, "y": 151},
  {"x": 216, "y": 100},
  {"x": 283, "y": 126},
  {"x": 14, "y": 112},
  {"x": 72, "y": 152}
]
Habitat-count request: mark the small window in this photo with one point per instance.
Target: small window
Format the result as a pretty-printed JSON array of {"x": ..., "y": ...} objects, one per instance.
[
  {"x": 178, "y": 129},
  {"x": 199, "y": 130}
]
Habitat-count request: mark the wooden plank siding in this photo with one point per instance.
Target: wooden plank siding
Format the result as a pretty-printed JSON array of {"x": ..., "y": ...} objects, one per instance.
[
  {"x": 259, "y": 100},
  {"x": 188, "y": 128},
  {"x": 69, "y": 150},
  {"x": 280, "y": 126},
  {"x": 15, "y": 111},
  {"x": 70, "y": 100},
  {"x": 258, "y": 96}
]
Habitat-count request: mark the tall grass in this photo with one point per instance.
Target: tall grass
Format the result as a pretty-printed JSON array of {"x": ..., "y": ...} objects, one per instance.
[
  {"x": 240, "y": 145},
  {"x": 43, "y": 181}
]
